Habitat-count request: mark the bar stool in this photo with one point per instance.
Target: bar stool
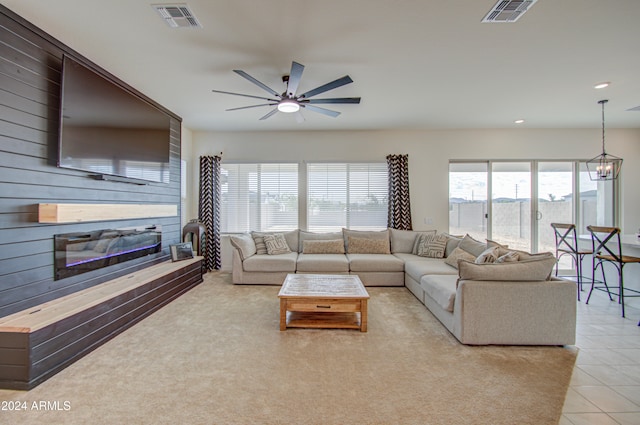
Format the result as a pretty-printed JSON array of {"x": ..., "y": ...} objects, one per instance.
[
  {"x": 567, "y": 244},
  {"x": 607, "y": 248}
]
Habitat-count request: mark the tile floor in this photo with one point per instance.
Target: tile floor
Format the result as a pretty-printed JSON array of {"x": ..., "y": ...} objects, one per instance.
[{"x": 605, "y": 387}]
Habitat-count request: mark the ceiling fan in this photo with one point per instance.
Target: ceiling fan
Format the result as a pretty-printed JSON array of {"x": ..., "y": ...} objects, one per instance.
[{"x": 289, "y": 101}]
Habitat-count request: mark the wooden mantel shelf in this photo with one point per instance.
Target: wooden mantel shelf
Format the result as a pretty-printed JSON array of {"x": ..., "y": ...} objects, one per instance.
[{"x": 77, "y": 213}]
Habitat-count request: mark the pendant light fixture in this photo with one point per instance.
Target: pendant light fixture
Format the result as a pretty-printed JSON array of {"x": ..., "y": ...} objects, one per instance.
[{"x": 604, "y": 166}]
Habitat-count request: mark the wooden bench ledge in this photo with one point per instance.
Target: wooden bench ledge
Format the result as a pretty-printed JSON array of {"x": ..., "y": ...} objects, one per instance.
[{"x": 42, "y": 315}]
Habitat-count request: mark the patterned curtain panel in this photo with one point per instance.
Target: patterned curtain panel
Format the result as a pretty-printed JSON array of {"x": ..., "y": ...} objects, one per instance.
[
  {"x": 209, "y": 209},
  {"x": 399, "y": 216}
]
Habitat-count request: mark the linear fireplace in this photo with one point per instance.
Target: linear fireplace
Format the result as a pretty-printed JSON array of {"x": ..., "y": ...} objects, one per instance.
[{"x": 82, "y": 252}]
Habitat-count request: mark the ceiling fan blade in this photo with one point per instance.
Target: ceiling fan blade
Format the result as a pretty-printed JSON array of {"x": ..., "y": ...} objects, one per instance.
[
  {"x": 294, "y": 78},
  {"x": 245, "y": 95},
  {"x": 334, "y": 100},
  {"x": 257, "y": 83},
  {"x": 329, "y": 86},
  {"x": 273, "y": 111},
  {"x": 324, "y": 111},
  {"x": 252, "y": 106},
  {"x": 299, "y": 117}
]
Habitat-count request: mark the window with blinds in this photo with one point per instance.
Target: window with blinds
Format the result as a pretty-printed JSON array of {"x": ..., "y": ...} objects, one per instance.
[
  {"x": 349, "y": 195},
  {"x": 259, "y": 197}
]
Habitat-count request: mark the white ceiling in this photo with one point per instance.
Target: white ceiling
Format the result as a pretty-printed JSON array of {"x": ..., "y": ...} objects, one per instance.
[{"x": 417, "y": 64}]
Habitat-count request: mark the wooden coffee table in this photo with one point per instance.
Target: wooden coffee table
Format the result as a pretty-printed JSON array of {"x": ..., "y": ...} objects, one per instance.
[{"x": 323, "y": 301}]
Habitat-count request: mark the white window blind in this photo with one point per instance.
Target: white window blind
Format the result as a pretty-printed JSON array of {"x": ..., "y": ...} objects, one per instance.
[
  {"x": 259, "y": 197},
  {"x": 349, "y": 195}
]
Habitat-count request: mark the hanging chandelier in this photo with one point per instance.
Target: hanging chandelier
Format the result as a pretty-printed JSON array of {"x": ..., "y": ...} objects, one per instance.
[{"x": 604, "y": 166}]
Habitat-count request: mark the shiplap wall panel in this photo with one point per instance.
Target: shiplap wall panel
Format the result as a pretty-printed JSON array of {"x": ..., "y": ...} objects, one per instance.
[{"x": 30, "y": 79}]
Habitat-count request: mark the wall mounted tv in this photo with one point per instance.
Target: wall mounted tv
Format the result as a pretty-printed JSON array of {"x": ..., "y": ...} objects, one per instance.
[{"x": 108, "y": 131}]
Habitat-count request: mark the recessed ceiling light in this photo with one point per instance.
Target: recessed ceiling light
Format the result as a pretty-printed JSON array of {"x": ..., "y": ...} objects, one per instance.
[
  {"x": 602, "y": 85},
  {"x": 520, "y": 121}
]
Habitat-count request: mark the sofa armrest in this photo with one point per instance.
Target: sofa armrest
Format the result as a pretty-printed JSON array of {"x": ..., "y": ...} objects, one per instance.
[
  {"x": 527, "y": 313},
  {"x": 237, "y": 269}
]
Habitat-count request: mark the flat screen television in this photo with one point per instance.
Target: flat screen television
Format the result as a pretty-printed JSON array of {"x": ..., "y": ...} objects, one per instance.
[{"x": 107, "y": 130}]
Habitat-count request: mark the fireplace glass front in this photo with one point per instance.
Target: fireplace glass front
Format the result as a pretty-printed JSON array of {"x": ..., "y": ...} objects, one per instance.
[{"x": 82, "y": 252}]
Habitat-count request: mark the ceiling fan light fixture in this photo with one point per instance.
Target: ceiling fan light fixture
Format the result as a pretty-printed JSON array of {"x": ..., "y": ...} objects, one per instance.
[{"x": 288, "y": 106}]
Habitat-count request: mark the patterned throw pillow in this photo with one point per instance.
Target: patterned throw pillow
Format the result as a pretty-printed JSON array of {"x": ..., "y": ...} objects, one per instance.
[
  {"x": 368, "y": 246},
  {"x": 489, "y": 255},
  {"x": 258, "y": 239},
  {"x": 433, "y": 246},
  {"x": 509, "y": 257},
  {"x": 456, "y": 255},
  {"x": 419, "y": 237},
  {"x": 276, "y": 244}
]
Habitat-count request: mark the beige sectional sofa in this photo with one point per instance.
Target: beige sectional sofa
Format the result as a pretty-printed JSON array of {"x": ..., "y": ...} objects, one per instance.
[{"x": 483, "y": 293}]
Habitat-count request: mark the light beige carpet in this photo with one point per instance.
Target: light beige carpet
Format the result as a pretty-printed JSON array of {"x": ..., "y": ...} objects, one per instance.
[{"x": 216, "y": 356}]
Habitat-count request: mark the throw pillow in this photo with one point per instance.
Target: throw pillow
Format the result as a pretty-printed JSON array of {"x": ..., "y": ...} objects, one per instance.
[
  {"x": 335, "y": 246},
  {"x": 508, "y": 257},
  {"x": 472, "y": 246},
  {"x": 537, "y": 269},
  {"x": 452, "y": 243},
  {"x": 365, "y": 234},
  {"x": 276, "y": 244},
  {"x": 402, "y": 240},
  {"x": 312, "y": 236},
  {"x": 245, "y": 244},
  {"x": 418, "y": 240},
  {"x": 489, "y": 255},
  {"x": 258, "y": 239},
  {"x": 368, "y": 246},
  {"x": 456, "y": 255},
  {"x": 433, "y": 246},
  {"x": 491, "y": 243}
]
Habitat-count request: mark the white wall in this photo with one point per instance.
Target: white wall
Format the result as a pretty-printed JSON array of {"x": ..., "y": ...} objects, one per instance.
[{"x": 429, "y": 155}]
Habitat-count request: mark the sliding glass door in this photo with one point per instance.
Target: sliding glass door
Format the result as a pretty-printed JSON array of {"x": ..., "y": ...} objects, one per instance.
[
  {"x": 525, "y": 198},
  {"x": 511, "y": 204},
  {"x": 554, "y": 204}
]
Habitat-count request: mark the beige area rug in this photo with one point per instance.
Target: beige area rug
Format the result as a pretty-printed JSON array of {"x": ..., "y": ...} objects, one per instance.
[{"x": 216, "y": 356}]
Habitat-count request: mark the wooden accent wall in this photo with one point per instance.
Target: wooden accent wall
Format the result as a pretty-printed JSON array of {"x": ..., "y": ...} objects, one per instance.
[{"x": 30, "y": 77}]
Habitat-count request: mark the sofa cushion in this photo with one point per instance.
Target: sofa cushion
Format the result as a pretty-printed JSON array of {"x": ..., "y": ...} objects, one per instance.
[
  {"x": 402, "y": 240},
  {"x": 442, "y": 288},
  {"x": 423, "y": 265},
  {"x": 245, "y": 245},
  {"x": 432, "y": 246},
  {"x": 375, "y": 263},
  {"x": 334, "y": 246},
  {"x": 312, "y": 236},
  {"x": 535, "y": 269},
  {"x": 367, "y": 246},
  {"x": 457, "y": 255},
  {"x": 271, "y": 263},
  {"x": 363, "y": 234},
  {"x": 322, "y": 263},
  {"x": 276, "y": 244}
]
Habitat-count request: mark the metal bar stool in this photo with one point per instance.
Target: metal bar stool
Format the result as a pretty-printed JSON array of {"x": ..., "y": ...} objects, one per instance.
[
  {"x": 607, "y": 248},
  {"x": 567, "y": 244}
]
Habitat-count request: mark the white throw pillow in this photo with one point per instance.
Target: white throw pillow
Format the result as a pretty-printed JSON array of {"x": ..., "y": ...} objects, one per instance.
[{"x": 276, "y": 244}]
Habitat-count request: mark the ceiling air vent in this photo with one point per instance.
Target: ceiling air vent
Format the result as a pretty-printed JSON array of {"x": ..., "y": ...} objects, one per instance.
[
  {"x": 177, "y": 15},
  {"x": 508, "y": 10}
]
